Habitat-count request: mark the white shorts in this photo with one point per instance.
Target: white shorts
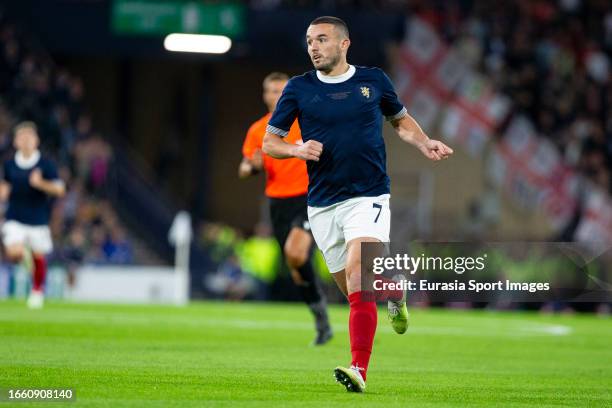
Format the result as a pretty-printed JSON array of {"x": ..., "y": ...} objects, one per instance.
[
  {"x": 37, "y": 237},
  {"x": 334, "y": 226}
]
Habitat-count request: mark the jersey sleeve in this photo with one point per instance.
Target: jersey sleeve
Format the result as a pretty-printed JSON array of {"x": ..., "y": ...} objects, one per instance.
[
  {"x": 390, "y": 105},
  {"x": 49, "y": 171},
  {"x": 6, "y": 174},
  {"x": 252, "y": 141},
  {"x": 285, "y": 113}
]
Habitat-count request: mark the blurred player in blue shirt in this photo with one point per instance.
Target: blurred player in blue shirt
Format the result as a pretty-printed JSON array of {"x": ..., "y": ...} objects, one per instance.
[
  {"x": 29, "y": 183},
  {"x": 340, "y": 109}
]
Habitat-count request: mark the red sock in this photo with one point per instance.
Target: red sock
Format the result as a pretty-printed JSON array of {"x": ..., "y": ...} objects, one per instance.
[
  {"x": 362, "y": 327},
  {"x": 40, "y": 271}
]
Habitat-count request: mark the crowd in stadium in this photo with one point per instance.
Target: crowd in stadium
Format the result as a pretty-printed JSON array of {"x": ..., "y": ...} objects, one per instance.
[
  {"x": 560, "y": 81},
  {"x": 32, "y": 87}
]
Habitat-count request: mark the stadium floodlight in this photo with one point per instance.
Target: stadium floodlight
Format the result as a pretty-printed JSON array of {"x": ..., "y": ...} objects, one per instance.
[{"x": 202, "y": 43}]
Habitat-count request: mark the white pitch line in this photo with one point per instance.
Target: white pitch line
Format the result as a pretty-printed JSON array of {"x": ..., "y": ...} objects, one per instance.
[
  {"x": 524, "y": 331},
  {"x": 551, "y": 329},
  {"x": 477, "y": 327}
]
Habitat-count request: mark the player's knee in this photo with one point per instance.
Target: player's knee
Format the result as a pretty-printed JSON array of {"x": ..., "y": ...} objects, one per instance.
[
  {"x": 14, "y": 255},
  {"x": 296, "y": 257},
  {"x": 15, "y": 258}
]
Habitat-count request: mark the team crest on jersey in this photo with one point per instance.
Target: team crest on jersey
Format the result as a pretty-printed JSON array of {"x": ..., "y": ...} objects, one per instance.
[{"x": 365, "y": 91}]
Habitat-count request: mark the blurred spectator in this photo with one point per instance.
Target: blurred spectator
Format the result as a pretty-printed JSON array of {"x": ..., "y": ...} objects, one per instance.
[
  {"x": 116, "y": 248},
  {"x": 259, "y": 255},
  {"x": 552, "y": 58},
  {"x": 92, "y": 156},
  {"x": 245, "y": 269}
]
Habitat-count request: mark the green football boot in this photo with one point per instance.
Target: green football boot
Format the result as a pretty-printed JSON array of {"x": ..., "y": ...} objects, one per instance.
[{"x": 397, "y": 312}]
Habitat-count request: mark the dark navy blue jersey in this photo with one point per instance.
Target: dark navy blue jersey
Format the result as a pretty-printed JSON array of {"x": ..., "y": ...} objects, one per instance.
[
  {"x": 27, "y": 204},
  {"x": 345, "y": 114}
]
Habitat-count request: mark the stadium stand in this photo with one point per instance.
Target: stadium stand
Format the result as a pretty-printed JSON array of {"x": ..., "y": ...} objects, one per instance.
[
  {"x": 84, "y": 225},
  {"x": 561, "y": 82}
]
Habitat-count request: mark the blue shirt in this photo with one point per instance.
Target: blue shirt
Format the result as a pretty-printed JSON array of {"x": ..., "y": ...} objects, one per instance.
[
  {"x": 347, "y": 118},
  {"x": 27, "y": 204}
]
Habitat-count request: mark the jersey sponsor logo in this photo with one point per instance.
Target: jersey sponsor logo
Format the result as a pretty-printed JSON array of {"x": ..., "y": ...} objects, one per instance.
[
  {"x": 365, "y": 91},
  {"x": 339, "y": 95}
]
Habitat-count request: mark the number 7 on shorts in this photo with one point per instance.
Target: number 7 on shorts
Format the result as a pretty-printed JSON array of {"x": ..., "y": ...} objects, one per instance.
[{"x": 376, "y": 205}]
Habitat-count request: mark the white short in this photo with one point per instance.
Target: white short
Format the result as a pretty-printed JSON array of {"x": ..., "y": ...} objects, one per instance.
[
  {"x": 37, "y": 237},
  {"x": 337, "y": 224}
]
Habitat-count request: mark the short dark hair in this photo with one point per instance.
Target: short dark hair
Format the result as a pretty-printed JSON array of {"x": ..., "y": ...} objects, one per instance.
[
  {"x": 27, "y": 124},
  {"x": 275, "y": 76},
  {"x": 335, "y": 21}
]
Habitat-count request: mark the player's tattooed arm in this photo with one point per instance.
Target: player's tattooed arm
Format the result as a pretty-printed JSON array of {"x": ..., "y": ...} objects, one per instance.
[
  {"x": 275, "y": 146},
  {"x": 52, "y": 187},
  {"x": 409, "y": 131}
]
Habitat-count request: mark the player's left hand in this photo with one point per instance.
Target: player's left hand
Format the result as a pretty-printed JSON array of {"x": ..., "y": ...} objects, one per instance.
[
  {"x": 36, "y": 178},
  {"x": 257, "y": 159},
  {"x": 435, "y": 150}
]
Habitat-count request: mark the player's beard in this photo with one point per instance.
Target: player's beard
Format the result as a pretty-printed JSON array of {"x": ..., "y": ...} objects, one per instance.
[{"x": 333, "y": 61}]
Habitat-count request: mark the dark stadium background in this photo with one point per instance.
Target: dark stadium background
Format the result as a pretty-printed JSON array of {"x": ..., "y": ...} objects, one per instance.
[{"x": 143, "y": 133}]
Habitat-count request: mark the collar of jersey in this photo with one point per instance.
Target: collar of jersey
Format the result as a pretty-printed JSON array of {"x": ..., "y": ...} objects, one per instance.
[
  {"x": 24, "y": 163},
  {"x": 338, "y": 78}
]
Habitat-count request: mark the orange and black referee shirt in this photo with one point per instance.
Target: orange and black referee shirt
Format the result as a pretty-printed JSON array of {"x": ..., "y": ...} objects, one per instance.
[{"x": 284, "y": 178}]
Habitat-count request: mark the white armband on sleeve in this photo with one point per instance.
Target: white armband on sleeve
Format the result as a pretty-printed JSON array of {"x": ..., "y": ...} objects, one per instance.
[{"x": 276, "y": 131}]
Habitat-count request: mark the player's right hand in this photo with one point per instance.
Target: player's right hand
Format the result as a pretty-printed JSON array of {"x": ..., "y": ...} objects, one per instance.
[
  {"x": 36, "y": 178},
  {"x": 310, "y": 150}
]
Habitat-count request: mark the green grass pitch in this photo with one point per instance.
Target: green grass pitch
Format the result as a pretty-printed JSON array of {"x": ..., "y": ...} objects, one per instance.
[{"x": 258, "y": 355}]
